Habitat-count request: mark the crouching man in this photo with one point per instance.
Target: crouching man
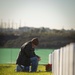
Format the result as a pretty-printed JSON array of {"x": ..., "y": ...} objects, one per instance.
[{"x": 27, "y": 57}]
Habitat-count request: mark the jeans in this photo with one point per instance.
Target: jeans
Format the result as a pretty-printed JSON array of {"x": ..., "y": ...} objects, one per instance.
[
  {"x": 34, "y": 64},
  {"x": 20, "y": 68}
]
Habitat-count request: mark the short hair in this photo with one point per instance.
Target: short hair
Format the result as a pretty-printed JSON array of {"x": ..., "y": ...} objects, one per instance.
[{"x": 35, "y": 41}]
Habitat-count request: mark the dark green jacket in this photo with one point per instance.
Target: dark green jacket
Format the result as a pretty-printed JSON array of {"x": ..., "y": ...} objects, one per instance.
[{"x": 25, "y": 54}]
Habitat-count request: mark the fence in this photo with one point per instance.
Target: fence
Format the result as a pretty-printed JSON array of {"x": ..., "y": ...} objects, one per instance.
[
  {"x": 9, "y": 55},
  {"x": 63, "y": 60}
]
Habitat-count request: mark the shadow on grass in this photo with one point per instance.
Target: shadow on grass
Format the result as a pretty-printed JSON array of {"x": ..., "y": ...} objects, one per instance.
[
  {"x": 36, "y": 72},
  {"x": 3, "y": 67}
]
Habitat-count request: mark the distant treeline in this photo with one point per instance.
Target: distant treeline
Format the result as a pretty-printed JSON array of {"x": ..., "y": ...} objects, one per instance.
[{"x": 48, "y": 38}]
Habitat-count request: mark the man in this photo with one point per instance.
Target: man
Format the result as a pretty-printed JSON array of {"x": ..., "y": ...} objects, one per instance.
[{"x": 28, "y": 57}]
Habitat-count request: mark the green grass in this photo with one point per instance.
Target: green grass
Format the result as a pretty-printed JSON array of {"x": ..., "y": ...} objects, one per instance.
[{"x": 9, "y": 69}]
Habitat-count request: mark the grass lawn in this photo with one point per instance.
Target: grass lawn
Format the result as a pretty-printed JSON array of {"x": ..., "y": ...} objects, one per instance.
[{"x": 9, "y": 69}]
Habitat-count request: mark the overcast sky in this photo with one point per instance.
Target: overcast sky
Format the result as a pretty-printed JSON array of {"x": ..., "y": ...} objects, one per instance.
[{"x": 55, "y": 14}]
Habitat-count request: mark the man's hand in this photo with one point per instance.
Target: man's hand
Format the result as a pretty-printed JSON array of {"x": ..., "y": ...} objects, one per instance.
[{"x": 39, "y": 59}]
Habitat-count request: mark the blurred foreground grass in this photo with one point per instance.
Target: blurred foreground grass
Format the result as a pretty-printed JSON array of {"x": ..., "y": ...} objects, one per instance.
[{"x": 8, "y": 69}]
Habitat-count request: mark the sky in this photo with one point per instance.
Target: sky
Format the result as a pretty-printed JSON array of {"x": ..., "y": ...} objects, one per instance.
[{"x": 53, "y": 14}]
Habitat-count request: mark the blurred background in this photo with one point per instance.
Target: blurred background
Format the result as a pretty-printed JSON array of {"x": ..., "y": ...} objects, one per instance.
[{"x": 51, "y": 21}]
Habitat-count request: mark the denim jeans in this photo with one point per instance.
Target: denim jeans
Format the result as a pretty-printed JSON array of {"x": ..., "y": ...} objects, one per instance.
[
  {"x": 34, "y": 64},
  {"x": 20, "y": 68}
]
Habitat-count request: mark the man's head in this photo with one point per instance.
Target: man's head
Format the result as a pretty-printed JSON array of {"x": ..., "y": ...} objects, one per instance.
[{"x": 35, "y": 41}]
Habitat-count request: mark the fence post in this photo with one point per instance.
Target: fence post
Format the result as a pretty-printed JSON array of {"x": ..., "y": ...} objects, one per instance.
[
  {"x": 72, "y": 59},
  {"x": 53, "y": 62},
  {"x": 61, "y": 61},
  {"x": 50, "y": 58},
  {"x": 56, "y": 62}
]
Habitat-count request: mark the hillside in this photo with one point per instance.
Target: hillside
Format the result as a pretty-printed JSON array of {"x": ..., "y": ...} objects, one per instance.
[{"x": 48, "y": 38}]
